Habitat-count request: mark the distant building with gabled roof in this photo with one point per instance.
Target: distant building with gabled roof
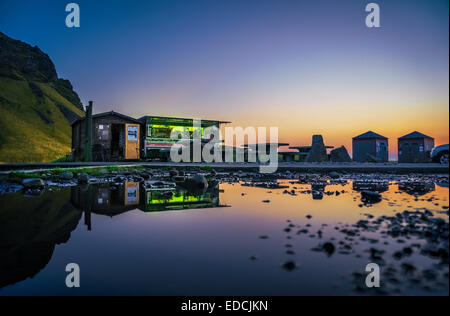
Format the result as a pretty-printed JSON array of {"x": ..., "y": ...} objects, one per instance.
[
  {"x": 370, "y": 146},
  {"x": 415, "y": 147}
]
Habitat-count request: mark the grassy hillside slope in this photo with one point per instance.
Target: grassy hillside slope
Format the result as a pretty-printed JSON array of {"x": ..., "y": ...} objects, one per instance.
[{"x": 34, "y": 115}]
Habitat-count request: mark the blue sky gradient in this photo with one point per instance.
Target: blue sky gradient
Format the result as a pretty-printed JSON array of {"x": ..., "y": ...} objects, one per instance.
[{"x": 305, "y": 66}]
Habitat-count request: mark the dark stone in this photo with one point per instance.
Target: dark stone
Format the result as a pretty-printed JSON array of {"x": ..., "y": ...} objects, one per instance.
[
  {"x": 408, "y": 268},
  {"x": 196, "y": 182},
  {"x": 371, "y": 196},
  {"x": 83, "y": 178},
  {"x": 328, "y": 248},
  {"x": 66, "y": 175},
  {"x": 33, "y": 183},
  {"x": 340, "y": 155},
  {"x": 398, "y": 255},
  {"x": 289, "y": 266},
  {"x": 318, "y": 152},
  {"x": 376, "y": 254},
  {"x": 408, "y": 251},
  {"x": 334, "y": 175},
  {"x": 179, "y": 179}
]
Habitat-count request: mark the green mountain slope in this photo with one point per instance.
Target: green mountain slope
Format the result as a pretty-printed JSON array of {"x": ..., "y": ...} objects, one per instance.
[{"x": 36, "y": 107}]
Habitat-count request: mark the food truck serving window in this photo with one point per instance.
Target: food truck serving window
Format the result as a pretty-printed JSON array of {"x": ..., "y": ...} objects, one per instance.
[
  {"x": 160, "y": 131},
  {"x": 165, "y": 131}
]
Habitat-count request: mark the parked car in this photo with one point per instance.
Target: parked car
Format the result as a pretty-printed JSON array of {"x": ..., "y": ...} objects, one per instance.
[{"x": 440, "y": 154}]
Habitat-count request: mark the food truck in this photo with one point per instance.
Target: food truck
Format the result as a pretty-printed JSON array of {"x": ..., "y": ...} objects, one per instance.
[{"x": 159, "y": 134}]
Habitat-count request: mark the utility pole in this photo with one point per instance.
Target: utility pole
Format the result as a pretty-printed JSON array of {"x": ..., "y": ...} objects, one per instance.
[{"x": 88, "y": 141}]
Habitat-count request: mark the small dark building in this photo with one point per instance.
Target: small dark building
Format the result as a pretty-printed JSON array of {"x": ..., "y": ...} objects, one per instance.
[
  {"x": 115, "y": 137},
  {"x": 371, "y": 147},
  {"x": 415, "y": 147}
]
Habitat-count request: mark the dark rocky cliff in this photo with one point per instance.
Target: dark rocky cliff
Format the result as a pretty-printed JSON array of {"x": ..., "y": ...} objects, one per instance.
[
  {"x": 21, "y": 61},
  {"x": 36, "y": 107}
]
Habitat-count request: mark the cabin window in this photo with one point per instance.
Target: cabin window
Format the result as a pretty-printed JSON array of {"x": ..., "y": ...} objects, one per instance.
[{"x": 149, "y": 131}]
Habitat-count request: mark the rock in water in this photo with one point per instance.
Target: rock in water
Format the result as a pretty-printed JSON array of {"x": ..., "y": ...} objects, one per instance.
[
  {"x": 289, "y": 266},
  {"x": 334, "y": 175},
  {"x": 340, "y": 155},
  {"x": 196, "y": 182},
  {"x": 179, "y": 179},
  {"x": 33, "y": 183},
  {"x": 318, "y": 152},
  {"x": 328, "y": 248},
  {"x": 371, "y": 196},
  {"x": 174, "y": 172},
  {"x": 83, "y": 178},
  {"x": 66, "y": 175},
  {"x": 200, "y": 181}
]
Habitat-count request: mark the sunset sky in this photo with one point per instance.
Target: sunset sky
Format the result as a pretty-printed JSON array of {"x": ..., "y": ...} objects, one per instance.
[{"x": 307, "y": 67}]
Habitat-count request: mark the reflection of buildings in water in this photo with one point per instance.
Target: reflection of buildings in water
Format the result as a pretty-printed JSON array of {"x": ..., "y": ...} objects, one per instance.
[
  {"x": 31, "y": 227},
  {"x": 29, "y": 230},
  {"x": 379, "y": 187},
  {"x": 105, "y": 199},
  {"x": 416, "y": 188},
  {"x": 180, "y": 199},
  {"x": 442, "y": 184},
  {"x": 111, "y": 200}
]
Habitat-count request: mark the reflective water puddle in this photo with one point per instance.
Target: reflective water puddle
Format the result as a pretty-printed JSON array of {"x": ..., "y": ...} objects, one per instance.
[{"x": 235, "y": 238}]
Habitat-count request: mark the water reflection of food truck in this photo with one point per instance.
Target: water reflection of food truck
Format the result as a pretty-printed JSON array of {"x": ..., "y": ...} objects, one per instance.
[
  {"x": 158, "y": 131},
  {"x": 112, "y": 199},
  {"x": 179, "y": 199}
]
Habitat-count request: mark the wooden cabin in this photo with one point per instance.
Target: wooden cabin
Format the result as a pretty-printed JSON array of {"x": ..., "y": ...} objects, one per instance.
[{"x": 115, "y": 137}]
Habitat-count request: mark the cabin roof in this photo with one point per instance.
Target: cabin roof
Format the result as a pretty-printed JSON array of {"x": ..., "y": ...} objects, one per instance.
[
  {"x": 122, "y": 116},
  {"x": 414, "y": 135},
  {"x": 178, "y": 119},
  {"x": 370, "y": 135}
]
